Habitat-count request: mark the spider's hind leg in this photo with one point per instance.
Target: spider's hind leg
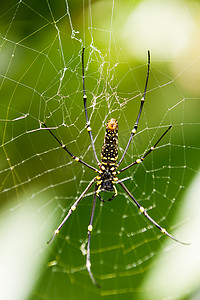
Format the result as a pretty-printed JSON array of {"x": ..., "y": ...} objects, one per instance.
[
  {"x": 142, "y": 210},
  {"x": 90, "y": 227}
]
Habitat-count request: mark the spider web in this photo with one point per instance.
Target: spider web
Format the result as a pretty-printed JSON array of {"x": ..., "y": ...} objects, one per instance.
[{"x": 40, "y": 73}]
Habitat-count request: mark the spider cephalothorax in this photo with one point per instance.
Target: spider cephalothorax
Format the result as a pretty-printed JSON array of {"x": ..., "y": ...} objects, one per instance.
[{"x": 107, "y": 168}]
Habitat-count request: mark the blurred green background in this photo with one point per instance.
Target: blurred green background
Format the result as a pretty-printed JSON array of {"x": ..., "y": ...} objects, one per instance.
[{"x": 40, "y": 81}]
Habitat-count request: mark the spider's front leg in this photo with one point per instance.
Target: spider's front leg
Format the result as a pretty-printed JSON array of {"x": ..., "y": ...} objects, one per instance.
[
  {"x": 89, "y": 129},
  {"x": 134, "y": 130}
]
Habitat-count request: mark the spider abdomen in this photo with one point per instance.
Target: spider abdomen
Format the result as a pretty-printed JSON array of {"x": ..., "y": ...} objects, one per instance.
[{"x": 109, "y": 153}]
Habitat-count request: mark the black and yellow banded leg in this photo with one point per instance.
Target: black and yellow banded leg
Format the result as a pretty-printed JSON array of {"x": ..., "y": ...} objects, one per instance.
[
  {"x": 98, "y": 190},
  {"x": 142, "y": 210},
  {"x": 77, "y": 159},
  {"x": 90, "y": 228},
  {"x": 71, "y": 210},
  {"x": 134, "y": 130},
  {"x": 115, "y": 193},
  {"x": 139, "y": 160},
  {"x": 89, "y": 129}
]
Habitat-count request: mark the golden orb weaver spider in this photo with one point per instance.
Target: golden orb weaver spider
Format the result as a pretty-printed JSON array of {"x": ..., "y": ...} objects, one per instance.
[{"x": 108, "y": 168}]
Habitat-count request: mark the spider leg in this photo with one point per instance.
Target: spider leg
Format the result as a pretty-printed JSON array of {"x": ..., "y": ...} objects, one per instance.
[
  {"x": 89, "y": 129},
  {"x": 90, "y": 227},
  {"x": 139, "y": 160},
  {"x": 141, "y": 208},
  {"x": 73, "y": 207},
  {"x": 140, "y": 111},
  {"x": 65, "y": 148},
  {"x": 98, "y": 190},
  {"x": 114, "y": 195}
]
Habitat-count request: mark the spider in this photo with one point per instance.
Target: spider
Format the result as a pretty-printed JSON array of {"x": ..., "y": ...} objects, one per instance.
[{"x": 108, "y": 168}]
